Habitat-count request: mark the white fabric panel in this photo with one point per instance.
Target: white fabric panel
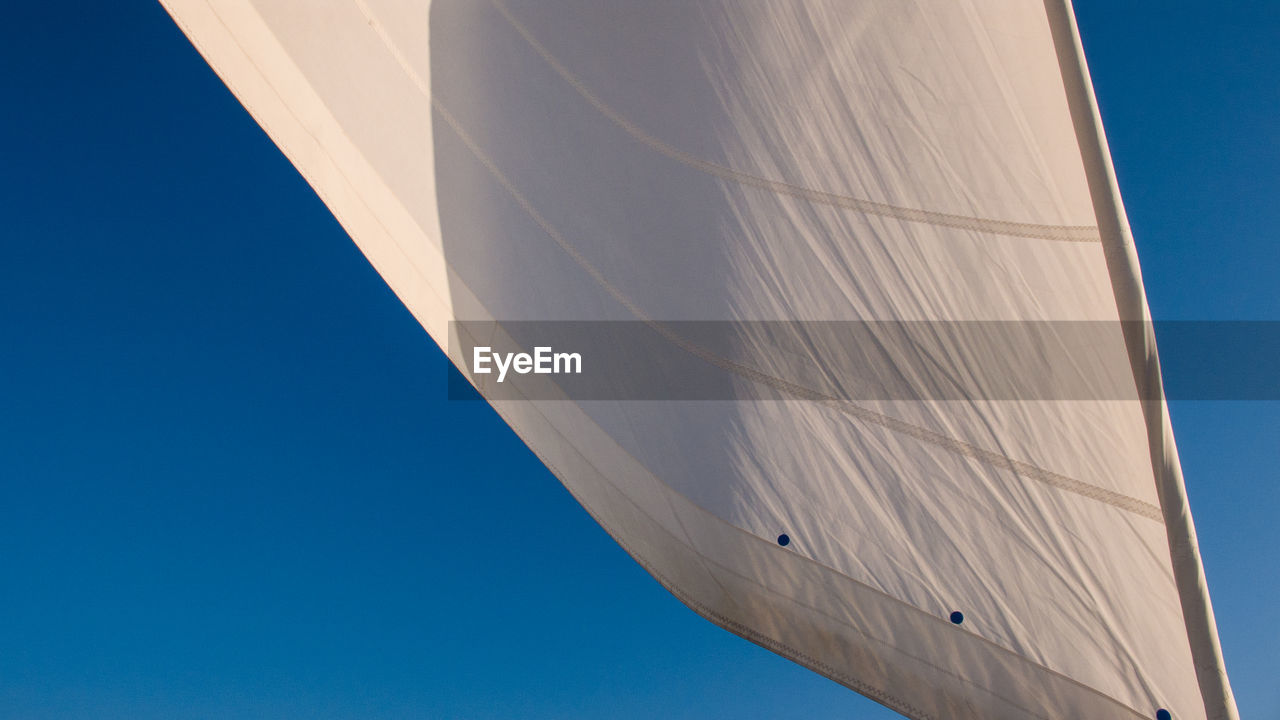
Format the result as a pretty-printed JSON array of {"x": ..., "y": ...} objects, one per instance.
[{"x": 781, "y": 160}]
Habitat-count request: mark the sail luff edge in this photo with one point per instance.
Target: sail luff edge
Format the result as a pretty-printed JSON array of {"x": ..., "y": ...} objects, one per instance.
[{"x": 1126, "y": 280}]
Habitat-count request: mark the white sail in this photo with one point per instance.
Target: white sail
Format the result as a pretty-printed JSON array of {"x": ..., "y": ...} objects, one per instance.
[{"x": 788, "y": 160}]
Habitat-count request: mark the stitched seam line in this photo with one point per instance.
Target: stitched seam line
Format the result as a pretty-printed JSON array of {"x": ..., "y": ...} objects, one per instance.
[{"x": 1062, "y": 233}]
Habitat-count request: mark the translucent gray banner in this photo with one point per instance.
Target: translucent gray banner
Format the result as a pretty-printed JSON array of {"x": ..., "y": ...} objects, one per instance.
[{"x": 925, "y": 360}]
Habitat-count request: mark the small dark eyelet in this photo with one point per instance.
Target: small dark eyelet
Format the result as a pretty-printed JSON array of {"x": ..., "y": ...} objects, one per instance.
[
  {"x": 957, "y": 617},
  {"x": 1163, "y": 714},
  {"x": 783, "y": 540}
]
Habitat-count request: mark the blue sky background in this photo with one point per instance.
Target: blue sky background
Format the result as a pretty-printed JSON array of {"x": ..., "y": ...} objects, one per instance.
[{"x": 231, "y": 485}]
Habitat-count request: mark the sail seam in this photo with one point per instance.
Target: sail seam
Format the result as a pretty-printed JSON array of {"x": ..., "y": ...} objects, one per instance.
[
  {"x": 285, "y": 147},
  {"x": 1061, "y": 233}
]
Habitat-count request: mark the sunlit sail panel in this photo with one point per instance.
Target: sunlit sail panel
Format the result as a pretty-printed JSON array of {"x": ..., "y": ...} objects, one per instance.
[{"x": 791, "y": 160}]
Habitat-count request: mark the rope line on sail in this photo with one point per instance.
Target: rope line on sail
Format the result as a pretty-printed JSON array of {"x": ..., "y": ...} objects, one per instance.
[{"x": 1061, "y": 233}]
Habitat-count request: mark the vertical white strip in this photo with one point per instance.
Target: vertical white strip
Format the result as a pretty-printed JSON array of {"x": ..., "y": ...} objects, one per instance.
[{"x": 1131, "y": 301}]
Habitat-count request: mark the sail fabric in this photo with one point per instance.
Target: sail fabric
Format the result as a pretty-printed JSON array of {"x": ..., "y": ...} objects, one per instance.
[{"x": 789, "y": 160}]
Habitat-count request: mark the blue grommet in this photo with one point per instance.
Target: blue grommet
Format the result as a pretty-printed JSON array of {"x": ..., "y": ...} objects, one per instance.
[
  {"x": 783, "y": 540},
  {"x": 957, "y": 617},
  {"x": 1163, "y": 714}
]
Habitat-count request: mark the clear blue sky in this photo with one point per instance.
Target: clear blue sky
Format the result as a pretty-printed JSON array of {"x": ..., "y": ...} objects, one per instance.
[{"x": 231, "y": 485}]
